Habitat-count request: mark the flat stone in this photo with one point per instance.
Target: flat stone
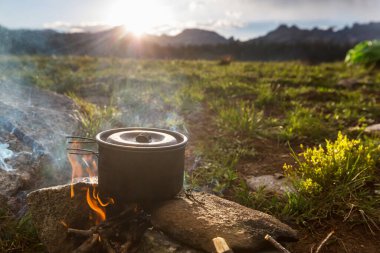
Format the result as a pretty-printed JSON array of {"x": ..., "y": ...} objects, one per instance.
[
  {"x": 270, "y": 183},
  {"x": 52, "y": 207},
  {"x": 373, "y": 129},
  {"x": 154, "y": 241},
  {"x": 202, "y": 217},
  {"x": 349, "y": 83}
]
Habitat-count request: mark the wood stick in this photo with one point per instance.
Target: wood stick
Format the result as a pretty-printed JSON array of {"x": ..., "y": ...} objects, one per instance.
[
  {"x": 125, "y": 247},
  {"x": 107, "y": 246},
  {"x": 324, "y": 241},
  {"x": 87, "y": 245},
  {"x": 276, "y": 244},
  {"x": 221, "y": 245},
  {"x": 85, "y": 233}
]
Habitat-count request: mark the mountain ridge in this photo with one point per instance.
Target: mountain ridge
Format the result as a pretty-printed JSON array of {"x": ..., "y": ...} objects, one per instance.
[{"x": 283, "y": 43}]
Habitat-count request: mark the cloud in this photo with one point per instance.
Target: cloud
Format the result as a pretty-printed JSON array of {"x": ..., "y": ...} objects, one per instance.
[
  {"x": 236, "y": 17},
  {"x": 213, "y": 25},
  {"x": 76, "y": 28},
  {"x": 195, "y": 5},
  {"x": 282, "y": 10}
]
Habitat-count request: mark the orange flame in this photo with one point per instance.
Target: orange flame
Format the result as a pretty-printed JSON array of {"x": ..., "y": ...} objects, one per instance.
[
  {"x": 93, "y": 203},
  {"x": 81, "y": 167}
]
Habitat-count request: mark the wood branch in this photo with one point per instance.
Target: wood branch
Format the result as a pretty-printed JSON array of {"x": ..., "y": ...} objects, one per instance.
[
  {"x": 276, "y": 244},
  {"x": 120, "y": 233},
  {"x": 221, "y": 245},
  {"x": 324, "y": 241},
  {"x": 125, "y": 247},
  {"x": 80, "y": 232},
  {"x": 107, "y": 246},
  {"x": 87, "y": 245}
]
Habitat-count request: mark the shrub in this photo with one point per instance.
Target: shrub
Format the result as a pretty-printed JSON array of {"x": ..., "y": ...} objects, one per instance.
[
  {"x": 334, "y": 180},
  {"x": 366, "y": 53}
]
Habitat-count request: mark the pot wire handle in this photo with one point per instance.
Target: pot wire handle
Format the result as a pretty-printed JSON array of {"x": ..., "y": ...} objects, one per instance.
[
  {"x": 80, "y": 151},
  {"x": 81, "y": 139}
]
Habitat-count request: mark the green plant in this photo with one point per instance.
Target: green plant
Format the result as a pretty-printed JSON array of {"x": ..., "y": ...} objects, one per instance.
[
  {"x": 304, "y": 123},
  {"x": 334, "y": 179},
  {"x": 217, "y": 175},
  {"x": 260, "y": 200},
  {"x": 366, "y": 53},
  {"x": 18, "y": 235},
  {"x": 242, "y": 118},
  {"x": 92, "y": 117}
]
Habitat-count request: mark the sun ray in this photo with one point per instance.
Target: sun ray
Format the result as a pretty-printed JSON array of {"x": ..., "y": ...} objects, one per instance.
[{"x": 138, "y": 17}]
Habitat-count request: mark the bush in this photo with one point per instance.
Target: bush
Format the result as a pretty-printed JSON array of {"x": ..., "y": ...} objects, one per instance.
[
  {"x": 366, "y": 53},
  {"x": 335, "y": 180}
]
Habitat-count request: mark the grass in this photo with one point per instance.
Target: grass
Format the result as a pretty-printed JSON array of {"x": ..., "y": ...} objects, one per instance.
[
  {"x": 247, "y": 103},
  {"x": 18, "y": 235},
  {"x": 241, "y": 118},
  {"x": 92, "y": 117},
  {"x": 305, "y": 123}
]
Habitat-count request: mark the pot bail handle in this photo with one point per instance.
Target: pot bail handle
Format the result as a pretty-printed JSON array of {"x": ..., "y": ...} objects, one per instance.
[{"x": 144, "y": 138}]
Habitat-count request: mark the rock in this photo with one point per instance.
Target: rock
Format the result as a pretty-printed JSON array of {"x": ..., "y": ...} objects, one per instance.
[
  {"x": 199, "y": 219},
  {"x": 40, "y": 119},
  {"x": 275, "y": 184},
  {"x": 154, "y": 241},
  {"x": 51, "y": 207},
  {"x": 373, "y": 129},
  {"x": 348, "y": 83},
  {"x": 33, "y": 126}
]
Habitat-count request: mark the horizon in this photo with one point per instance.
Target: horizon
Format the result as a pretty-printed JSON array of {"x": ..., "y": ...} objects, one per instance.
[
  {"x": 335, "y": 29},
  {"x": 242, "y": 19}
]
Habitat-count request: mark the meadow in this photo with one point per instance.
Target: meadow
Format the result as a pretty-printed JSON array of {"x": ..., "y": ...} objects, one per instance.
[{"x": 243, "y": 119}]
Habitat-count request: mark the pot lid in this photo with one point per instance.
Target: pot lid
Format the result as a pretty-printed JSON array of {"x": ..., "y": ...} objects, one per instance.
[{"x": 142, "y": 138}]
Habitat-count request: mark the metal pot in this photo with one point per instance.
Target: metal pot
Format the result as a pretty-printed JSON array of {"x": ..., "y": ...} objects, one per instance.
[{"x": 140, "y": 164}]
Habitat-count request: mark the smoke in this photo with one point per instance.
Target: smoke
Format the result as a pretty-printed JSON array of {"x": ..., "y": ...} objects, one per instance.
[
  {"x": 145, "y": 94},
  {"x": 35, "y": 121},
  {"x": 5, "y": 153}
]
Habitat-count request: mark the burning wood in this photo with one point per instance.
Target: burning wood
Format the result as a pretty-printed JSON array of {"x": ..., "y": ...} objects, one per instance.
[
  {"x": 118, "y": 234},
  {"x": 87, "y": 165}
]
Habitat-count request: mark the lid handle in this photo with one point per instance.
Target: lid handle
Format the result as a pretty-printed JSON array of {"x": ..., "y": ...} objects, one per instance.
[{"x": 144, "y": 138}]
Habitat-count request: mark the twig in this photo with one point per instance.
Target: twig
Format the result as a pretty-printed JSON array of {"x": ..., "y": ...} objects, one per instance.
[
  {"x": 125, "y": 247},
  {"x": 368, "y": 220},
  {"x": 276, "y": 244},
  {"x": 349, "y": 213},
  {"x": 312, "y": 248},
  {"x": 86, "y": 233},
  {"x": 108, "y": 246},
  {"x": 87, "y": 245},
  {"x": 221, "y": 245},
  {"x": 324, "y": 241}
]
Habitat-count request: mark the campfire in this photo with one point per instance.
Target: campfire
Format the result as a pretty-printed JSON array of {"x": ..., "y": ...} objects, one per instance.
[
  {"x": 122, "y": 231},
  {"x": 127, "y": 196}
]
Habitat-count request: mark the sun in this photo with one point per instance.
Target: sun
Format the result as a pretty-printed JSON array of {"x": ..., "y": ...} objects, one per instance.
[{"x": 138, "y": 17}]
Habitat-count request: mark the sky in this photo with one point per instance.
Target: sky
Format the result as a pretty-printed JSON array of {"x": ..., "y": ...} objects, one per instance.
[{"x": 242, "y": 19}]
